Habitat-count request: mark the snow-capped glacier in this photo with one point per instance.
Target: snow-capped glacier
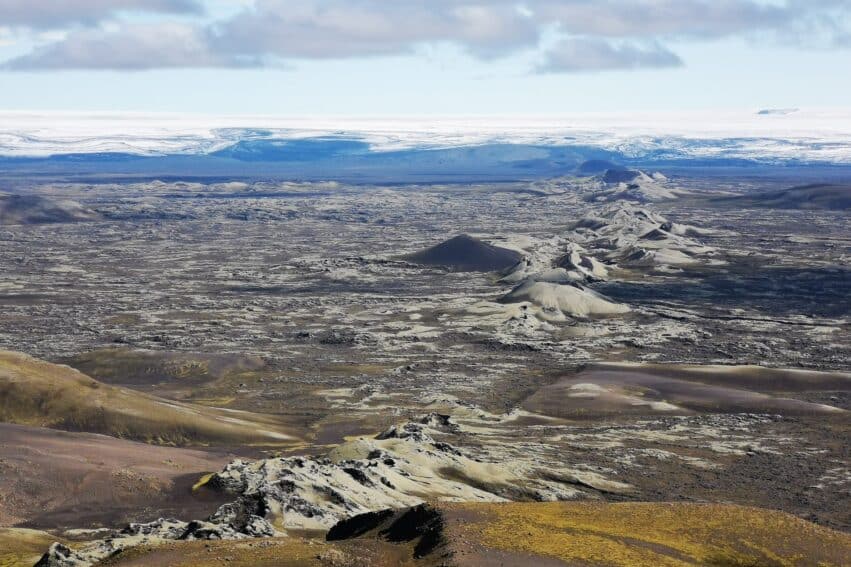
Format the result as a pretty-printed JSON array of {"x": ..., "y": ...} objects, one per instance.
[{"x": 822, "y": 136}]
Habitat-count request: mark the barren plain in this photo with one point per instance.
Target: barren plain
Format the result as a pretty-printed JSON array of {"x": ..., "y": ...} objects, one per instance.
[{"x": 255, "y": 363}]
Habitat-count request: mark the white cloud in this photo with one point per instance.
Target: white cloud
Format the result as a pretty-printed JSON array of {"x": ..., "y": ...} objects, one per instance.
[
  {"x": 654, "y": 18},
  {"x": 593, "y": 54},
  {"x": 133, "y": 48},
  {"x": 59, "y": 13},
  {"x": 6, "y": 37},
  {"x": 354, "y": 28},
  {"x": 596, "y": 34}
]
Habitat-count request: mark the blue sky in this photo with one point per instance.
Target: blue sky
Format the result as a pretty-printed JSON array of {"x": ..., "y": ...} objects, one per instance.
[{"x": 423, "y": 57}]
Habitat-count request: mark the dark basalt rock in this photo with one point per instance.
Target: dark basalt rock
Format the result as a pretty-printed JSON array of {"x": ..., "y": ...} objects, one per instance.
[
  {"x": 358, "y": 525},
  {"x": 422, "y": 524}
]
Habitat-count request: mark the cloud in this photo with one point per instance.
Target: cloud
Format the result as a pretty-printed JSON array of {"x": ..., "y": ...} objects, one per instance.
[
  {"x": 654, "y": 18},
  {"x": 6, "y": 37},
  {"x": 831, "y": 18},
  {"x": 133, "y": 48},
  {"x": 60, "y": 13},
  {"x": 354, "y": 28},
  {"x": 351, "y": 28},
  {"x": 578, "y": 55},
  {"x": 595, "y": 34}
]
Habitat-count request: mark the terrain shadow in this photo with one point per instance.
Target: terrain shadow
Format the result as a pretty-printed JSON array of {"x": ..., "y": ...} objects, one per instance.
[{"x": 821, "y": 292}]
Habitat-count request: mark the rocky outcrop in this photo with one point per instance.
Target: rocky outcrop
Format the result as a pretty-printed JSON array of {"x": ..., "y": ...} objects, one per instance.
[
  {"x": 573, "y": 299},
  {"x": 632, "y": 185},
  {"x": 423, "y": 525},
  {"x": 62, "y": 556},
  {"x": 634, "y": 237},
  {"x": 392, "y": 470},
  {"x": 587, "y": 268},
  {"x": 399, "y": 468},
  {"x": 232, "y": 521}
]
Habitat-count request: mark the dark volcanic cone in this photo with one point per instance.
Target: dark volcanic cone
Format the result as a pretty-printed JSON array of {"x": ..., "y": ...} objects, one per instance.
[
  {"x": 620, "y": 175},
  {"x": 596, "y": 167},
  {"x": 465, "y": 253}
]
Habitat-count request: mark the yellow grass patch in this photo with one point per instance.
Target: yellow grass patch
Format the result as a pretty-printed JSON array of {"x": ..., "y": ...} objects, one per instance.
[
  {"x": 291, "y": 551},
  {"x": 657, "y": 535},
  {"x": 22, "y": 548},
  {"x": 37, "y": 393}
]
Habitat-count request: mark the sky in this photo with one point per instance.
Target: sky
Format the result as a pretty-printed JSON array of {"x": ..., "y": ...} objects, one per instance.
[{"x": 423, "y": 57}]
